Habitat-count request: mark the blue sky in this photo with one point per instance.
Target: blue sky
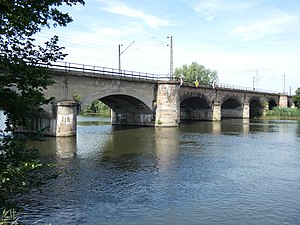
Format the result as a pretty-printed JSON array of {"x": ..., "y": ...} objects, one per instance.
[{"x": 241, "y": 39}]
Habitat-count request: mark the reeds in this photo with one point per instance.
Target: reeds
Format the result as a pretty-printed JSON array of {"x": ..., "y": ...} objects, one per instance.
[{"x": 286, "y": 113}]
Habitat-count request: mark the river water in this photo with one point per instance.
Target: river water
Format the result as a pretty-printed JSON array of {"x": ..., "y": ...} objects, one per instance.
[{"x": 229, "y": 172}]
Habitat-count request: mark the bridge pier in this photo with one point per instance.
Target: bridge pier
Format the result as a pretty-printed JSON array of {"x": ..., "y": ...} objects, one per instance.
[
  {"x": 167, "y": 104},
  {"x": 216, "y": 110},
  {"x": 283, "y": 100},
  {"x": 246, "y": 110},
  {"x": 66, "y": 118},
  {"x": 58, "y": 120}
]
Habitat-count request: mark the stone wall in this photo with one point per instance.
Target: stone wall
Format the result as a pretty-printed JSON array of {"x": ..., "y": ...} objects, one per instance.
[{"x": 167, "y": 104}]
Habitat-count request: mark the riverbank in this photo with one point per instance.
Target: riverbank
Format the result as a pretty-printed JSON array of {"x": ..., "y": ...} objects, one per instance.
[
  {"x": 278, "y": 113},
  {"x": 279, "y": 118}
]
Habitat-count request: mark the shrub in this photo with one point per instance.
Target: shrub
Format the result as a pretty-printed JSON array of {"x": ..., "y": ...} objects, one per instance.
[{"x": 283, "y": 112}]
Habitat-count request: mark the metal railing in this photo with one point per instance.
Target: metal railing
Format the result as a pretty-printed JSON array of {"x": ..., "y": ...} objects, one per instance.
[
  {"x": 242, "y": 88},
  {"x": 230, "y": 87},
  {"x": 99, "y": 70}
]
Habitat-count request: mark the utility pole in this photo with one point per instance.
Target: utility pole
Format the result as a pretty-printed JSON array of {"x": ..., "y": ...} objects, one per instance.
[
  {"x": 257, "y": 76},
  {"x": 283, "y": 84},
  {"x": 120, "y": 53},
  {"x": 171, "y": 57},
  {"x": 120, "y": 58}
]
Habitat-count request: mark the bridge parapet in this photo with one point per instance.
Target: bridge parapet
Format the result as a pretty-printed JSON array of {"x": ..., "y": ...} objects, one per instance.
[{"x": 100, "y": 71}]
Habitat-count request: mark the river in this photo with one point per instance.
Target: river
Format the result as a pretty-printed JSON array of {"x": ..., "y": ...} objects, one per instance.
[{"x": 229, "y": 172}]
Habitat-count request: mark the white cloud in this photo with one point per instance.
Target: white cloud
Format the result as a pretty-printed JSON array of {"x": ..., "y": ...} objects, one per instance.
[
  {"x": 121, "y": 9},
  {"x": 210, "y": 9},
  {"x": 261, "y": 29}
]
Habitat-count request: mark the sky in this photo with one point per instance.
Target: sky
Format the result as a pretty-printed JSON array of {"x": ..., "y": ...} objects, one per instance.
[{"x": 251, "y": 43}]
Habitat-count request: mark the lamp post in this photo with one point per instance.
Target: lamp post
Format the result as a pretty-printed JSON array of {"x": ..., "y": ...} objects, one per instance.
[{"x": 120, "y": 53}]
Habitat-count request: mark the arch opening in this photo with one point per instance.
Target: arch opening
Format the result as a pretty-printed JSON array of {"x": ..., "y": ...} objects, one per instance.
[
  {"x": 231, "y": 108},
  {"x": 195, "y": 108},
  {"x": 127, "y": 110},
  {"x": 256, "y": 109},
  {"x": 272, "y": 104}
]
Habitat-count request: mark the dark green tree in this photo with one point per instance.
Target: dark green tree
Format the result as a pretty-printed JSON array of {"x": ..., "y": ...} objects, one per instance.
[
  {"x": 296, "y": 98},
  {"x": 195, "y": 71},
  {"x": 23, "y": 78}
]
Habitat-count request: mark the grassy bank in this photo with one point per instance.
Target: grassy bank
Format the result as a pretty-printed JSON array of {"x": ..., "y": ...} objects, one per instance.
[{"x": 283, "y": 113}]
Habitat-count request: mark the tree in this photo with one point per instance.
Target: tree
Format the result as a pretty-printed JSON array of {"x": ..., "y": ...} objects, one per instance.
[
  {"x": 197, "y": 72},
  {"x": 97, "y": 107},
  {"x": 296, "y": 98},
  {"x": 23, "y": 77}
]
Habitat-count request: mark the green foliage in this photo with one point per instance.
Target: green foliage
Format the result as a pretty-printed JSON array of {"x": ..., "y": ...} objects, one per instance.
[
  {"x": 22, "y": 79},
  {"x": 24, "y": 75},
  {"x": 9, "y": 217},
  {"x": 195, "y": 71},
  {"x": 19, "y": 167},
  {"x": 286, "y": 113},
  {"x": 97, "y": 107},
  {"x": 76, "y": 97},
  {"x": 296, "y": 98}
]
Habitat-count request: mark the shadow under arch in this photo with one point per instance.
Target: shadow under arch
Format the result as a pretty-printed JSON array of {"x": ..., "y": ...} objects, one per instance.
[
  {"x": 231, "y": 108},
  {"x": 256, "y": 108},
  {"x": 272, "y": 104},
  {"x": 39, "y": 121},
  {"x": 125, "y": 104},
  {"x": 195, "y": 108},
  {"x": 128, "y": 110}
]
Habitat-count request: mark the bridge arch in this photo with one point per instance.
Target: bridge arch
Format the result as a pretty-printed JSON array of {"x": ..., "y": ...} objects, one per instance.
[
  {"x": 196, "y": 108},
  {"x": 145, "y": 97},
  {"x": 127, "y": 109},
  {"x": 256, "y": 107},
  {"x": 231, "y": 107},
  {"x": 290, "y": 103},
  {"x": 126, "y": 104},
  {"x": 272, "y": 104}
]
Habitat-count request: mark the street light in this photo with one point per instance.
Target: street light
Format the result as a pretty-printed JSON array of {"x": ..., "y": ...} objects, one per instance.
[{"x": 120, "y": 53}]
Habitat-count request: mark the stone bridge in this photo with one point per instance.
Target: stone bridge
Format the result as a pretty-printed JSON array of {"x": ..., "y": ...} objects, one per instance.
[{"x": 145, "y": 100}]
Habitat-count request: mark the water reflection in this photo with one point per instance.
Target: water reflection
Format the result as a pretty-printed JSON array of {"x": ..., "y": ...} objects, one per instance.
[
  {"x": 166, "y": 146},
  {"x": 224, "y": 127},
  {"x": 56, "y": 147},
  {"x": 66, "y": 147},
  {"x": 128, "y": 142},
  {"x": 216, "y": 127},
  {"x": 227, "y": 172}
]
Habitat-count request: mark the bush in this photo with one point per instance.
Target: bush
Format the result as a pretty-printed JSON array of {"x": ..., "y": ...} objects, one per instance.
[{"x": 283, "y": 112}]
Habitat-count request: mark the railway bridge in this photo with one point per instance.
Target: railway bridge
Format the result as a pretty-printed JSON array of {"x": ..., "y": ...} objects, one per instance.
[{"x": 144, "y": 99}]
